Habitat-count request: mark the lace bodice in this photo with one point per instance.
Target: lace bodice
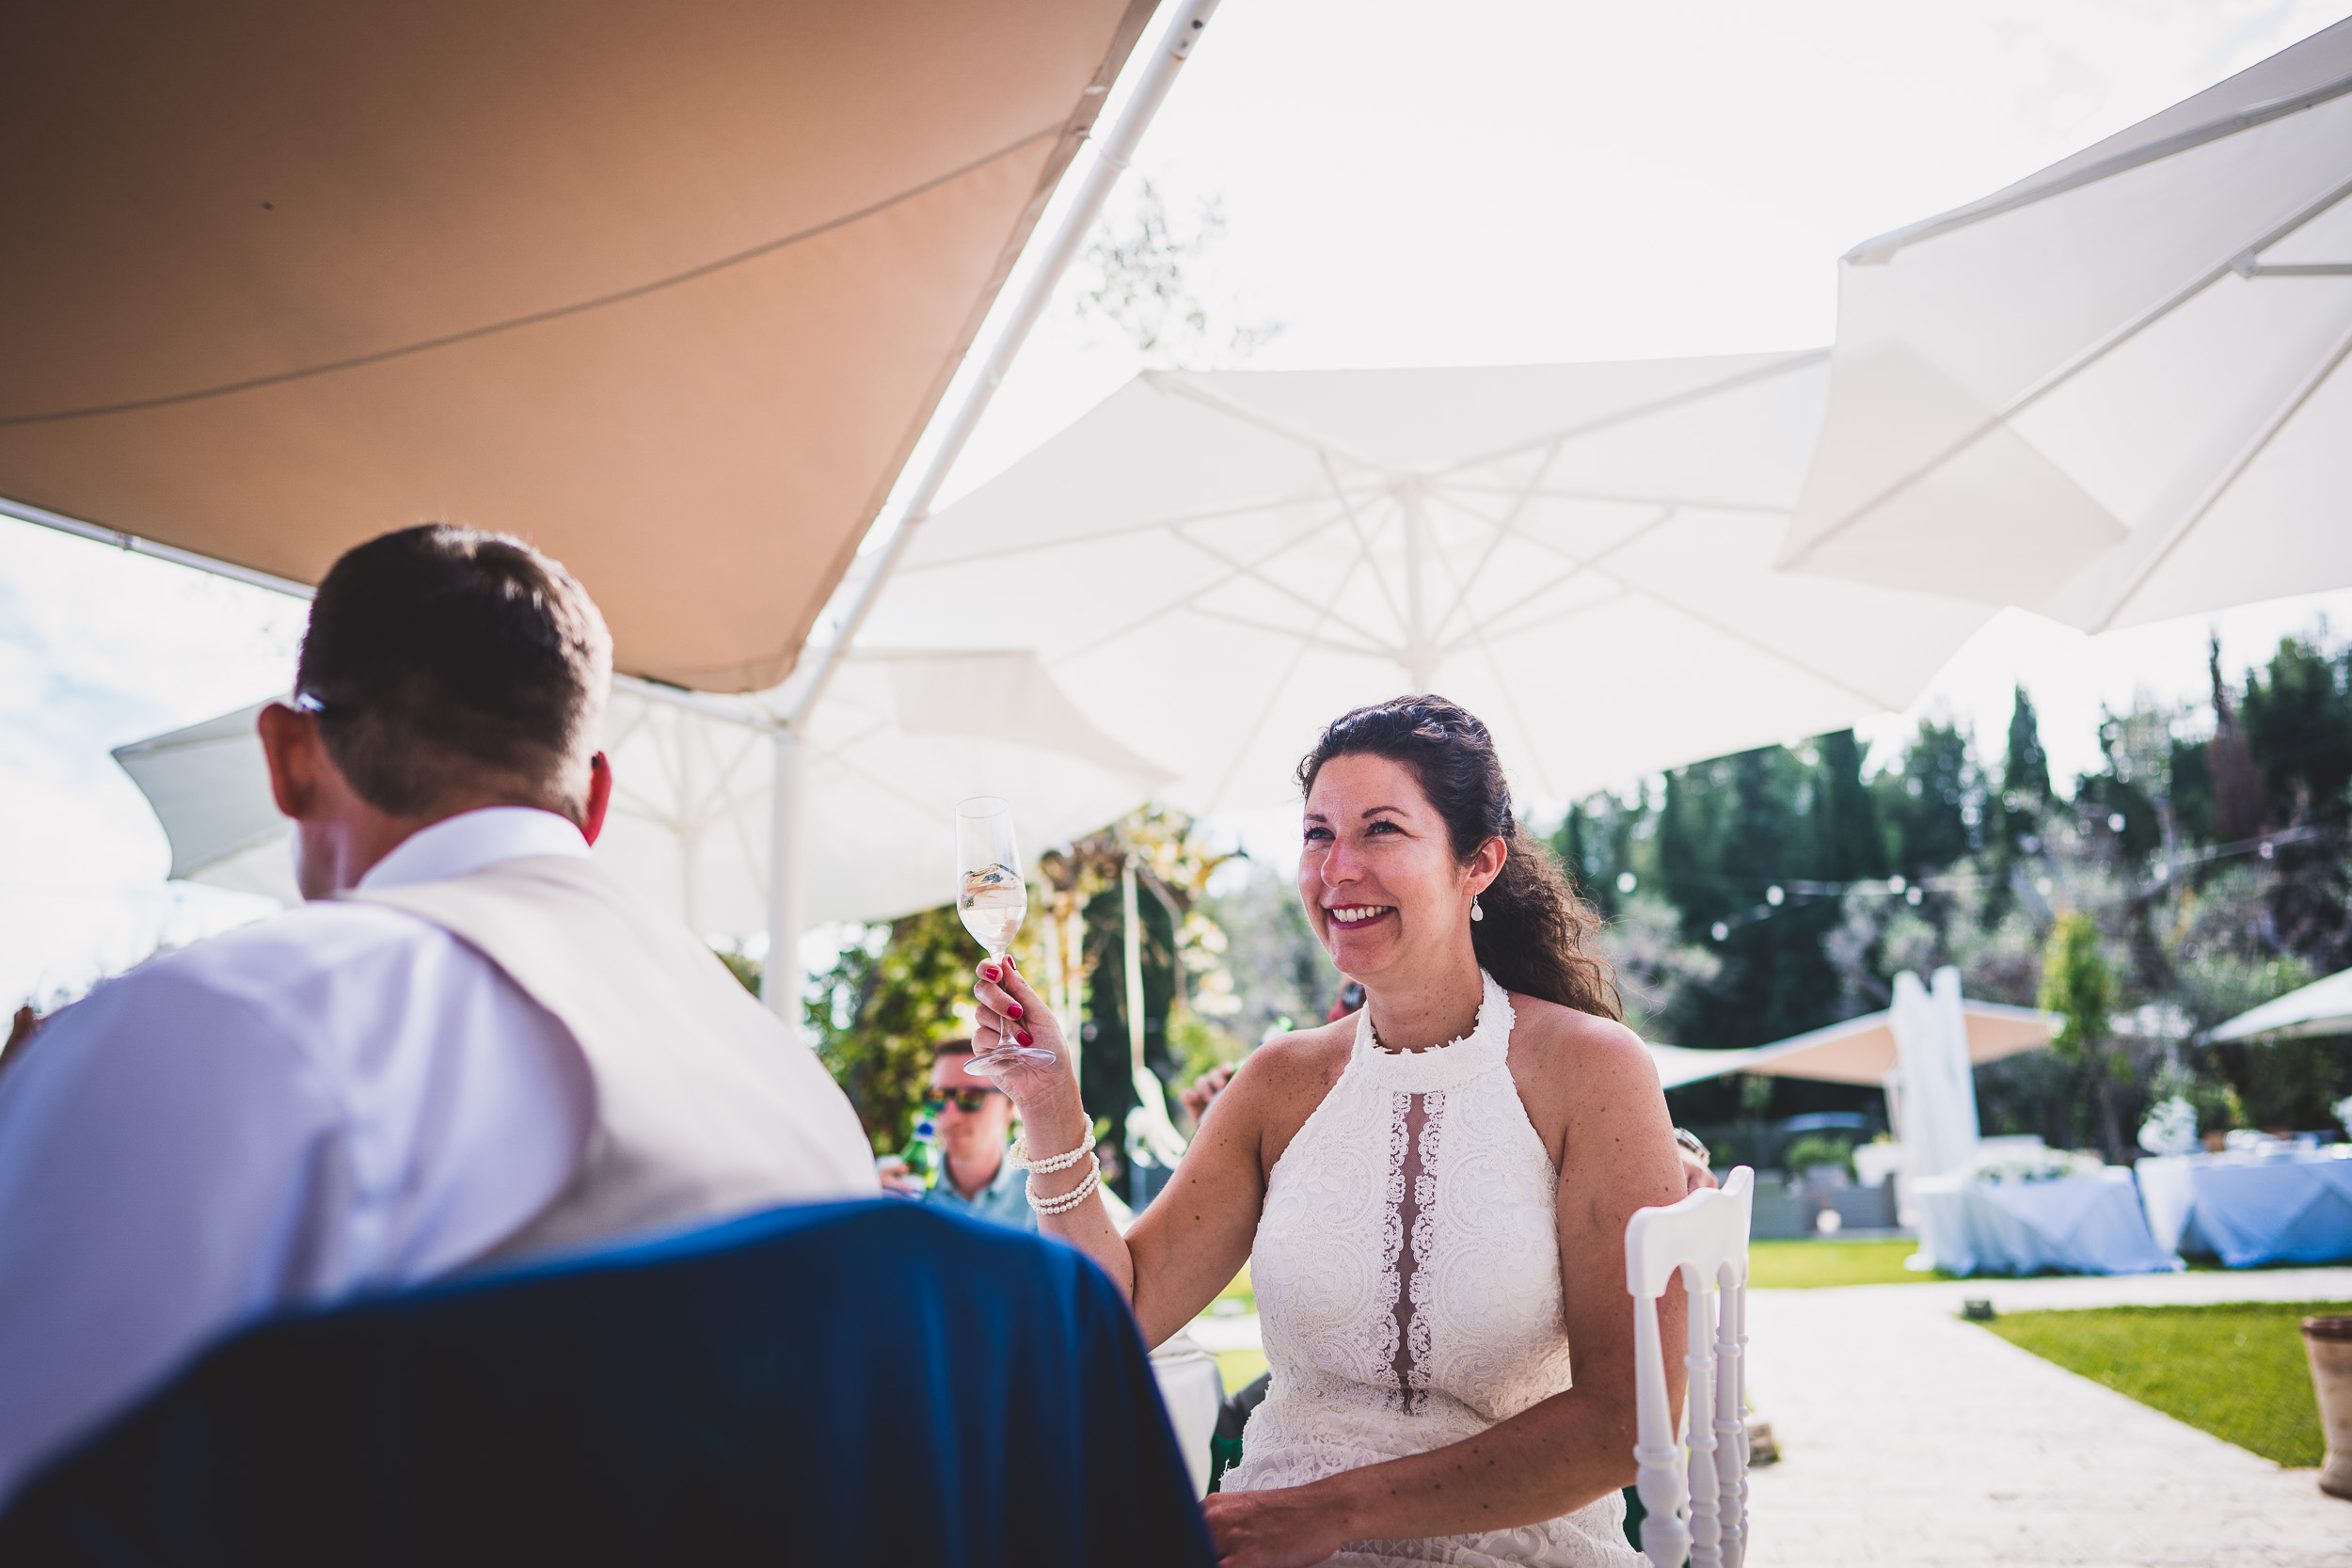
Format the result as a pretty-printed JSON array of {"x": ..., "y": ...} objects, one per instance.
[{"x": 1408, "y": 1274}]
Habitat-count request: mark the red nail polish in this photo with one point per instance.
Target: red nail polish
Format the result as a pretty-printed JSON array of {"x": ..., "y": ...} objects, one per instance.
[
  {"x": 1012, "y": 1009},
  {"x": 990, "y": 972},
  {"x": 1024, "y": 1036}
]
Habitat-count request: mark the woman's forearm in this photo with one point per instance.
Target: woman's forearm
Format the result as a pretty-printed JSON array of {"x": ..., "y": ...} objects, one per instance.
[
  {"x": 1087, "y": 1226},
  {"x": 1571, "y": 1450}
]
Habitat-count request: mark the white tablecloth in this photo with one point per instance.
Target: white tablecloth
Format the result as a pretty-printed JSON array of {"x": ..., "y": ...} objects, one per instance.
[
  {"x": 2074, "y": 1224},
  {"x": 2251, "y": 1209},
  {"x": 1194, "y": 1391}
]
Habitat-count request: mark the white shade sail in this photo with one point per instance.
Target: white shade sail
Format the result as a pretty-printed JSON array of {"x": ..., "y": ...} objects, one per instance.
[
  {"x": 893, "y": 747},
  {"x": 1214, "y": 566},
  {"x": 2322, "y": 1007},
  {"x": 1860, "y": 1050},
  {"x": 2115, "y": 392}
]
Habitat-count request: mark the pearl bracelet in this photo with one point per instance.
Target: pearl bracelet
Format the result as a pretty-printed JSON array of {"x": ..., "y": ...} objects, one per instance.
[
  {"x": 1070, "y": 1199},
  {"x": 1019, "y": 1155}
]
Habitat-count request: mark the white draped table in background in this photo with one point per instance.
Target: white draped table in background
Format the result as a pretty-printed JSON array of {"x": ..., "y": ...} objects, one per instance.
[
  {"x": 2088, "y": 1224},
  {"x": 2291, "y": 1207}
]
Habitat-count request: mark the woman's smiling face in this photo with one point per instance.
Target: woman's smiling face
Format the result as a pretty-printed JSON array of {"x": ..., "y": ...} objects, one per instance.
[{"x": 1376, "y": 871}]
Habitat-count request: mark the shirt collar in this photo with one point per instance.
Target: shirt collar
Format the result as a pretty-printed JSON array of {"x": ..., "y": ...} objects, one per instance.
[{"x": 472, "y": 840}]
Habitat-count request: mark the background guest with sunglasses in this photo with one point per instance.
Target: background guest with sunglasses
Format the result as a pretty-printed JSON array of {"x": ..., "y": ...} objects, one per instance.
[{"x": 975, "y": 1122}]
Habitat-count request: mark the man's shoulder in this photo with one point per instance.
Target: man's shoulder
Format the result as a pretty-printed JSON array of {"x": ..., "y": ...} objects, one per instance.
[{"x": 290, "y": 954}]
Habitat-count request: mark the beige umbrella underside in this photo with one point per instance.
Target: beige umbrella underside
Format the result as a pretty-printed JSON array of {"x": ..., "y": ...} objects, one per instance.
[{"x": 670, "y": 290}]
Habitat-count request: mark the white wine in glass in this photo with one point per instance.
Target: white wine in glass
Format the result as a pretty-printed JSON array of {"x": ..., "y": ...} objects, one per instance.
[{"x": 992, "y": 898}]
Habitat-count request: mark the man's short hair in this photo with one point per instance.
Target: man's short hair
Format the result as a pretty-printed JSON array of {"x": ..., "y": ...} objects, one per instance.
[
  {"x": 448, "y": 664},
  {"x": 951, "y": 1048}
]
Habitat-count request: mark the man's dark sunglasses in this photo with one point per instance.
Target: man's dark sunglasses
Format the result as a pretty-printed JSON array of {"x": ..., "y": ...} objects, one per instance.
[{"x": 966, "y": 1100}]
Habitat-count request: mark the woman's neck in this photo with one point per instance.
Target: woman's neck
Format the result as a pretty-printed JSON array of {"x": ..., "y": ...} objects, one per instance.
[{"x": 1435, "y": 1007}]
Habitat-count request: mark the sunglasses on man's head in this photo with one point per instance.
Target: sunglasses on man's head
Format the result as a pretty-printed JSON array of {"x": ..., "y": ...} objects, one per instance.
[{"x": 962, "y": 1099}]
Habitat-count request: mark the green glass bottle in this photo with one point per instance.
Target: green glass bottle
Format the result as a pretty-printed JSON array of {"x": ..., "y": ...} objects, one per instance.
[{"x": 921, "y": 1153}]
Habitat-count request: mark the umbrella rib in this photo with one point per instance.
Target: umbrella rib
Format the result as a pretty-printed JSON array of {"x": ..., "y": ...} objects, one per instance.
[
  {"x": 1274, "y": 691},
  {"x": 1511, "y": 701},
  {"x": 556, "y": 314},
  {"x": 1250, "y": 569},
  {"x": 1358, "y": 651},
  {"x": 1805, "y": 361},
  {"x": 1363, "y": 540},
  {"x": 1578, "y": 567},
  {"x": 1618, "y": 590},
  {"x": 1183, "y": 385},
  {"x": 1503, "y": 529},
  {"x": 1271, "y": 503},
  {"x": 1188, "y": 601},
  {"x": 1694, "y": 503},
  {"x": 2065, "y": 373},
  {"x": 2229, "y": 476},
  {"x": 1782, "y": 656},
  {"x": 879, "y": 782}
]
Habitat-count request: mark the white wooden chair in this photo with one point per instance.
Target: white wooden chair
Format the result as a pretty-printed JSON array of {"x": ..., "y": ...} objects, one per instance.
[{"x": 1695, "y": 1493}]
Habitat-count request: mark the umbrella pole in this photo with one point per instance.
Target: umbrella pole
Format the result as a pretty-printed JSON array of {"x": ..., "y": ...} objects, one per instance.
[{"x": 780, "y": 974}]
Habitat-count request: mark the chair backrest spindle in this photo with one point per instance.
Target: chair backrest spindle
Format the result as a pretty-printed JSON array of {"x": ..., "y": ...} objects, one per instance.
[
  {"x": 1731, "y": 1425},
  {"x": 1693, "y": 1487}
]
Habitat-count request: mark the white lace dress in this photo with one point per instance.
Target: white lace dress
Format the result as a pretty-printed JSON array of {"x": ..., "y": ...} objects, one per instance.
[{"x": 1408, "y": 1274}]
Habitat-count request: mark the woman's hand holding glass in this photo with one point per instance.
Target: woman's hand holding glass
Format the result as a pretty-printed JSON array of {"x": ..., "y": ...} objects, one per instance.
[{"x": 1044, "y": 1094}]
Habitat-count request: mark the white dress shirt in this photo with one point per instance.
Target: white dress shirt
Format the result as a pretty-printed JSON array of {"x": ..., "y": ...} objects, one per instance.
[{"x": 341, "y": 1099}]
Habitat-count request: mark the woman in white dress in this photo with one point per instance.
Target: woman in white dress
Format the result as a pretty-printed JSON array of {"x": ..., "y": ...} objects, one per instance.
[{"x": 1432, "y": 1193}]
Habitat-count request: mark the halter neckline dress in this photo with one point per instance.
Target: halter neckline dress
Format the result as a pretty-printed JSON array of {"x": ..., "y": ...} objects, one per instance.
[{"x": 1407, "y": 1267}]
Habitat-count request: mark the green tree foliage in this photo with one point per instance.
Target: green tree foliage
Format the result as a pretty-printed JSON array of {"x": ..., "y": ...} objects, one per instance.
[
  {"x": 876, "y": 1014},
  {"x": 2298, "y": 731},
  {"x": 2016, "y": 812},
  {"x": 1930, "y": 802},
  {"x": 2077, "y": 982}
]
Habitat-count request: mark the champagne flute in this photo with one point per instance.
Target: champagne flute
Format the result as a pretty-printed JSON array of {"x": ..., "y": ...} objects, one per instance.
[{"x": 991, "y": 896}]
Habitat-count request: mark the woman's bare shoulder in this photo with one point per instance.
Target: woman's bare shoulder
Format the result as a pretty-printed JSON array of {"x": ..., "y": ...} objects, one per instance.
[
  {"x": 1575, "y": 1069},
  {"x": 1278, "y": 1087},
  {"x": 1569, "y": 1038},
  {"x": 1305, "y": 1061}
]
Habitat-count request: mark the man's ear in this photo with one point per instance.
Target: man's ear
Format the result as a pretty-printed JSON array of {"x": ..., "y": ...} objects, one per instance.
[
  {"x": 600, "y": 796},
  {"x": 290, "y": 742}
]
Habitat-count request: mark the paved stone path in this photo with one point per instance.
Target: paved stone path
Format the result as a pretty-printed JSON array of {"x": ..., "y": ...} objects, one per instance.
[{"x": 1912, "y": 1438}]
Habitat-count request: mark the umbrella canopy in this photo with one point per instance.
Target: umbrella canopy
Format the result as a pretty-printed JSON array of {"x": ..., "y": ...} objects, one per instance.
[
  {"x": 2115, "y": 392},
  {"x": 893, "y": 747},
  {"x": 1860, "y": 1050},
  {"x": 671, "y": 290},
  {"x": 1215, "y": 566},
  {"x": 2322, "y": 1007}
]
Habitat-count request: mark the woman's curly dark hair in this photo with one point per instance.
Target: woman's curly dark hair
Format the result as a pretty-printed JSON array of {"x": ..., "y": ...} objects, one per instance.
[{"x": 1536, "y": 934}]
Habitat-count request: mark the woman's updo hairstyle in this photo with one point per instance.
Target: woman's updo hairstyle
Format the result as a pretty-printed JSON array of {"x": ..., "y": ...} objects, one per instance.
[{"x": 1534, "y": 934}]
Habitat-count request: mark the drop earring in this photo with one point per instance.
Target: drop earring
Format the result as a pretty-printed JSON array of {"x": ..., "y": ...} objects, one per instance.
[{"x": 1476, "y": 912}]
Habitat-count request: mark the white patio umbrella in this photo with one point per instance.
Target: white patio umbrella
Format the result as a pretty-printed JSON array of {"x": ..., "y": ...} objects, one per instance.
[
  {"x": 893, "y": 747},
  {"x": 2322, "y": 1007},
  {"x": 2114, "y": 391},
  {"x": 1215, "y": 565}
]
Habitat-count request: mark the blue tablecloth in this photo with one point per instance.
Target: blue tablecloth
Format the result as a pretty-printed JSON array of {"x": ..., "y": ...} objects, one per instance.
[
  {"x": 840, "y": 1383},
  {"x": 2074, "y": 1225},
  {"x": 2286, "y": 1208}
]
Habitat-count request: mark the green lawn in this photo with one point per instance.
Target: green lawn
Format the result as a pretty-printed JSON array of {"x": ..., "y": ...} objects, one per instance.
[
  {"x": 1809, "y": 1265},
  {"x": 2236, "y": 1371},
  {"x": 1240, "y": 1368},
  {"x": 1240, "y": 1290}
]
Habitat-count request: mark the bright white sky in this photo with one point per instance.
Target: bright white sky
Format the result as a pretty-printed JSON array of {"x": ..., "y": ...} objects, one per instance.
[{"x": 1483, "y": 182}]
